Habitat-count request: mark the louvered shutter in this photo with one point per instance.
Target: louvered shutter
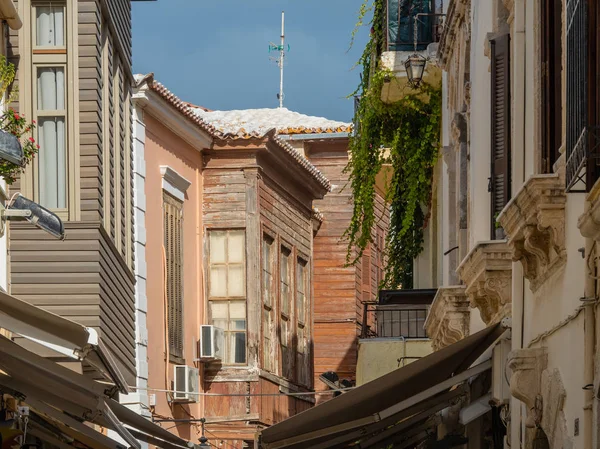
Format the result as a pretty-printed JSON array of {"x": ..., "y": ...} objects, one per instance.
[
  {"x": 173, "y": 216},
  {"x": 500, "y": 176},
  {"x": 366, "y": 274}
]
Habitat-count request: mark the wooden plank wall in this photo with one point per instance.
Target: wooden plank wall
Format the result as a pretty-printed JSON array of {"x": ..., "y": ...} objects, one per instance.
[
  {"x": 229, "y": 195},
  {"x": 79, "y": 278},
  {"x": 336, "y": 287}
]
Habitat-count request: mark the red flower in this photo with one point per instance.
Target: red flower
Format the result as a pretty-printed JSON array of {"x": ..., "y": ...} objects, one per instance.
[
  {"x": 38, "y": 147},
  {"x": 17, "y": 116},
  {"x": 34, "y": 122},
  {"x": 32, "y": 140}
]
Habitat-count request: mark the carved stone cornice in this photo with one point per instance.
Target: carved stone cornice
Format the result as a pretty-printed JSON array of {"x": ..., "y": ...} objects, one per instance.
[
  {"x": 458, "y": 12},
  {"x": 449, "y": 317},
  {"x": 534, "y": 221},
  {"x": 487, "y": 273},
  {"x": 527, "y": 366}
]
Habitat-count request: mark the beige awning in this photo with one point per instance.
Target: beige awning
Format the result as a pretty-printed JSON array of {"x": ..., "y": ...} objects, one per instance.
[
  {"x": 404, "y": 400},
  {"x": 8, "y": 12},
  {"x": 59, "y": 334},
  {"x": 66, "y": 397}
]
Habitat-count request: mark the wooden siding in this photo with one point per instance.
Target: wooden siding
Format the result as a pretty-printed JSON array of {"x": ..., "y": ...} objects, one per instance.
[
  {"x": 335, "y": 286},
  {"x": 119, "y": 15},
  {"x": 339, "y": 291},
  {"x": 81, "y": 278},
  {"x": 90, "y": 107}
]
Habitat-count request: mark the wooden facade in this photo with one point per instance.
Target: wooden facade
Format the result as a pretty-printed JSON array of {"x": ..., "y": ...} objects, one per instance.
[
  {"x": 340, "y": 290},
  {"x": 248, "y": 185},
  {"x": 88, "y": 277}
]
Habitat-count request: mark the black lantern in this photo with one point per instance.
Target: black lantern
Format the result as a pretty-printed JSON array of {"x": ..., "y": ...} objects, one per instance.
[
  {"x": 203, "y": 440},
  {"x": 415, "y": 68}
]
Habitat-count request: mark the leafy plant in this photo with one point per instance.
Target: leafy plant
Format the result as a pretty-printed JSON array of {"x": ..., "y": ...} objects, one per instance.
[
  {"x": 497, "y": 224},
  {"x": 16, "y": 124},
  {"x": 406, "y": 135}
]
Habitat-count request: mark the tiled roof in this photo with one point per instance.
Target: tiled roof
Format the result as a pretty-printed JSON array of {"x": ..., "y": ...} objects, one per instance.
[
  {"x": 255, "y": 122},
  {"x": 176, "y": 102},
  {"x": 195, "y": 115}
]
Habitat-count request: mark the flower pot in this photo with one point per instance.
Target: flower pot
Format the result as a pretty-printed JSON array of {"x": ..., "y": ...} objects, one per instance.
[{"x": 500, "y": 234}]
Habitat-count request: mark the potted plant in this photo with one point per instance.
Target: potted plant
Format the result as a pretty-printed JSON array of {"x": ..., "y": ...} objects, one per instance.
[
  {"x": 499, "y": 230},
  {"x": 17, "y": 145}
]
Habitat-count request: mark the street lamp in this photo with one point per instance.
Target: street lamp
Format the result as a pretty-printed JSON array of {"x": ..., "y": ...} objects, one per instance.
[
  {"x": 203, "y": 440},
  {"x": 415, "y": 67}
]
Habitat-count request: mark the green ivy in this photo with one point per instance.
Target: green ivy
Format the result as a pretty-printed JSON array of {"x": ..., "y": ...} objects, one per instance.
[{"x": 406, "y": 135}]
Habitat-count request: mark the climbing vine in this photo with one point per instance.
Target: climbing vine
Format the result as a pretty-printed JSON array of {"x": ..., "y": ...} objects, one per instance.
[{"x": 405, "y": 135}]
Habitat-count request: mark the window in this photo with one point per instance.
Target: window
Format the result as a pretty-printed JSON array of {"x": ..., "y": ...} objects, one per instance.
[
  {"x": 49, "y": 61},
  {"x": 269, "y": 358},
  {"x": 500, "y": 177},
  {"x": 173, "y": 230},
  {"x": 551, "y": 83},
  {"x": 285, "y": 291},
  {"x": 303, "y": 319},
  {"x": 227, "y": 290}
]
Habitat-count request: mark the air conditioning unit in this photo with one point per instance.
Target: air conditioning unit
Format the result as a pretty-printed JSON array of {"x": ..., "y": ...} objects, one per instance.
[
  {"x": 212, "y": 342},
  {"x": 185, "y": 384}
]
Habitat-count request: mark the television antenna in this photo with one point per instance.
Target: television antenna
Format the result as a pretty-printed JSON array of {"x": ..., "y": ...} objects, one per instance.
[{"x": 281, "y": 48}]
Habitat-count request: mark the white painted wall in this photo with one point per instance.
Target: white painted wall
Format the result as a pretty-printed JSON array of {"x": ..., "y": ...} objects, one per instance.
[{"x": 480, "y": 129}]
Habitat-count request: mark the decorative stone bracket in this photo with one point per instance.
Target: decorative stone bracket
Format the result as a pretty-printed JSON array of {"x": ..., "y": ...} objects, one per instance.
[
  {"x": 527, "y": 366},
  {"x": 487, "y": 273},
  {"x": 589, "y": 222},
  {"x": 534, "y": 221},
  {"x": 543, "y": 392},
  {"x": 448, "y": 318}
]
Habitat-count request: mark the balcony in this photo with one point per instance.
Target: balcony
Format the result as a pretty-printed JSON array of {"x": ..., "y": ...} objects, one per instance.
[
  {"x": 393, "y": 332},
  {"x": 411, "y": 26},
  {"x": 534, "y": 221}
]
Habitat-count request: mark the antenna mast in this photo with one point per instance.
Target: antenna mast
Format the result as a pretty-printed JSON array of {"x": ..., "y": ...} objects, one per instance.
[
  {"x": 281, "y": 57},
  {"x": 282, "y": 49}
]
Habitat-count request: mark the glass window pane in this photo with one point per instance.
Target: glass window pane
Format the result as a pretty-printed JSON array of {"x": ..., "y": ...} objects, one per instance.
[
  {"x": 50, "y": 88},
  {"x": 236, "y": 246},
  {"x": 236, "y": 281},
  {"x": 217, "y": 247},
  {"x": 218, "y": 281},
  {"x": 52, "y": 163},
  {"x": 50, "y": 30},
  {"x": 267, "y": 282},
  {"x": 238, "y": 325},
  {"x": 239, "y": 347},
  {"x": 300, "y": 307},
  {"x": 218, "y": 310},
  {"x": 237, "y": 310}
]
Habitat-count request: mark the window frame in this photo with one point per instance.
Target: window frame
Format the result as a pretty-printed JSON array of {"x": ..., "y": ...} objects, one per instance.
[
  {"x": 177, "y": 355},
  {"x": 227, "y": 299},
  {"x": 269, "y": 309},
  {"x": 303, "y": 370},
  {"x": 286, "y": 349},
  {"x": 33, "y": 57}
]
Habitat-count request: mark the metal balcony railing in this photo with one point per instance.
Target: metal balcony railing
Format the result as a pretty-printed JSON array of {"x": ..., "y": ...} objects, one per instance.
[
  {"x": 400, "y": 24},
  {"x": 397, "y": 314}
]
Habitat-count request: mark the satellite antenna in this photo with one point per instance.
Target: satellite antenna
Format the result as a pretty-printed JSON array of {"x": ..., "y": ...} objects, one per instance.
[{"x": 282, "y": 51}]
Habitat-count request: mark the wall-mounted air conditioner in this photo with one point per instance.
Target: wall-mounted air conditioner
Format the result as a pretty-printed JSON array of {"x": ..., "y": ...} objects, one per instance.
[
  {"x": 212, "y": 342},
  {"x": 185, "y": 384}
]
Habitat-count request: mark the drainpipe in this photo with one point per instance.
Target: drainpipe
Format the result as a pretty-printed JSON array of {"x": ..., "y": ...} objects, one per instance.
[{"x": 589, "y": 335}]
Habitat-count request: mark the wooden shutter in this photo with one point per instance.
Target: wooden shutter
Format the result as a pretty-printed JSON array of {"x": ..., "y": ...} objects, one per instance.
[
  {"x": 173, "y": 216},
  {"x": 500, "y": 175},
  {"x": 366, "y": 273},
  {"x": 551, "y": 82}
]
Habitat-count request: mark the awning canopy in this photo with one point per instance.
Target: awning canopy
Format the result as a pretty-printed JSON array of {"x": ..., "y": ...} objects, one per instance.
[
  {"x": 404, "y": 400},
  {"x": 59, "y": 334},
  {"x": 68, "y": 399}
]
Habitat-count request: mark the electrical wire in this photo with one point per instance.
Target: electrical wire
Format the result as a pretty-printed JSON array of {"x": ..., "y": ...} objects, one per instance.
[{"x": 301, "y": 393}]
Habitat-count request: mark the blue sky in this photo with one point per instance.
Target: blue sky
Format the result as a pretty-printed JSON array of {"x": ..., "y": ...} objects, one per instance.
[{"x": 215, "y": 52}]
